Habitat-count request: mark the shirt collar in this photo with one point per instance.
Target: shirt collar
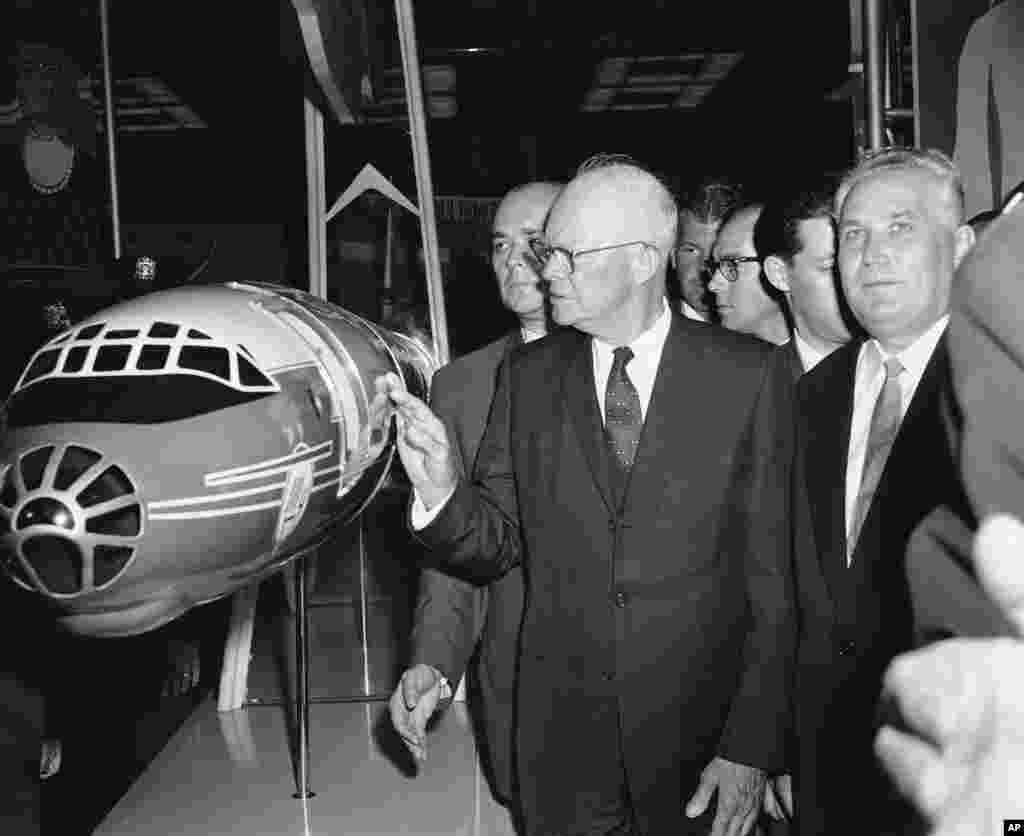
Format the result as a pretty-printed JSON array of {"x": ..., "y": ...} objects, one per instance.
[
  {"x": 915, "y": 356},
  {"x": 530, "y": 336},
  {"x": 808, "y": 354},
  {"x": 691, "y": 312},
  {"x": 647, "y": 343}
]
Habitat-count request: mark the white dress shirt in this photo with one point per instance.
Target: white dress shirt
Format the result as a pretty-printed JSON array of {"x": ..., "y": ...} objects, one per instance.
[
  {"x": 642, "y": 370},
  {"x": 530, "y": 336},
  {"x": 809, "y": 355},
  {"x": 868, "y": 382},
  {"x": 691, "y": 312}
]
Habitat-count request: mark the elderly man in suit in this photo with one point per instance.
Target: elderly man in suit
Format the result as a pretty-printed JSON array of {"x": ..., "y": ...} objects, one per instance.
[
  {"x": 795, "y": 239},
  {"x": 655, "y": 652},
  {"x": 454, "y": 616},
  {"x": 872, "y": 461}
]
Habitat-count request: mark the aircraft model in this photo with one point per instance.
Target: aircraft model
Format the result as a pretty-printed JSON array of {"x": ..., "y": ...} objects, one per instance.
[{"x": 176, "y": 447}]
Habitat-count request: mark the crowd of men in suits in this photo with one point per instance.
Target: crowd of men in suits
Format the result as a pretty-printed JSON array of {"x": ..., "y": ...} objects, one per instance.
[{"x": 667, "y": 541}]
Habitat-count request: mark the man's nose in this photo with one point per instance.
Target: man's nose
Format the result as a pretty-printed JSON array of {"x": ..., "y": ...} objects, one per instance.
[
  {"x": 515, "y": 257},
  {"x": 876, "y": 249},
  {"x": 552, "y": 271},
  {"x": 717, "y": 284}
]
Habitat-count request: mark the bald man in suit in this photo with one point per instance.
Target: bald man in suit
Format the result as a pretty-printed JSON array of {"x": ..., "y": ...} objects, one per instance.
[{"x": 655, "y": 653}]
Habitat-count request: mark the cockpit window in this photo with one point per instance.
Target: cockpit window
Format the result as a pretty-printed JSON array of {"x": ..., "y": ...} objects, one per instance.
[
  {"x": 75, "y": 358},
  {"x": 159, "y": 348},
  {"x": 111, "y": 358},
  {"x": 248, "y": 374},
  {"x": 215, "y": 361},
  {"x": 89, "y": 331},
  {"x": 153, "y": 357},
  {"x": 121, "y": 334},
  {"x": 44, "y": 363},
  {"x": 163, "y": 331}
]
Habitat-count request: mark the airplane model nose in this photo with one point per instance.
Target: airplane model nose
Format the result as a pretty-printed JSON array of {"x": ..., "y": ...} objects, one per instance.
[{"x": 69, "y": 520}]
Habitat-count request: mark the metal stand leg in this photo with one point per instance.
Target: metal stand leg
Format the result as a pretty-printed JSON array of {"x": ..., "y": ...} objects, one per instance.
[
  {"x": 363, "y": 615},
  {"x": 302, "y": 677}
]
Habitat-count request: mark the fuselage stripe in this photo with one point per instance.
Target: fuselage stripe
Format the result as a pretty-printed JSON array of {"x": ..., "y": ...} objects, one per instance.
[
  {"x": 216, "y": 512},
  {"x": 292, "y": 458},
  {"x": 217, "y": 497}
]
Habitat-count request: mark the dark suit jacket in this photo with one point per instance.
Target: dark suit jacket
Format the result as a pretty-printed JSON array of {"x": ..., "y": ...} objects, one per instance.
[
  {"x": 855, "y": 620},
  {"x": 678, "y": 603},
  {"x": 451, "y": 613}
]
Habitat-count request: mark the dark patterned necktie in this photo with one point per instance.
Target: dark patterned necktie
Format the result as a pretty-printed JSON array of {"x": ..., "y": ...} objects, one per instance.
[
  {"x": 623, "y": 418},
  {"x": 885, "y": 424}
]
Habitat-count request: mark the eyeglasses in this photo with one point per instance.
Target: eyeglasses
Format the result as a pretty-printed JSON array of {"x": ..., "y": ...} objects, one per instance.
[
  {"x": 545, "y": 252},
  {"x": 729, "y": 266}
]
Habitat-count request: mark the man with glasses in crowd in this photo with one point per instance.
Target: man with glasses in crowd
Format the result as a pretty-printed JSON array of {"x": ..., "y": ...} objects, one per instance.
[
  {"x": 741, "y": 294},
  {"x": 656, "y": 648}
]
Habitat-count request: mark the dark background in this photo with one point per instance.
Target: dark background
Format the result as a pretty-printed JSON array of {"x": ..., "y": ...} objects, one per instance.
[{"x": 523, "y": 70}]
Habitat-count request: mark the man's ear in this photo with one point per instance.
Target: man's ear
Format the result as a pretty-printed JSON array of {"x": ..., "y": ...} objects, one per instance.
[
  {"x": 965, "y": 239},
  {"x": 645, "y": 263},
  {"x": 777, "y": 274}
]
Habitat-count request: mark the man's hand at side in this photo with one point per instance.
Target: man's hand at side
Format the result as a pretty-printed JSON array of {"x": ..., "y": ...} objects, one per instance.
[
  {"x": 740, "y": 796},
  {"x": 422, "y": 443},
  {"x": 412, "y": 706}
]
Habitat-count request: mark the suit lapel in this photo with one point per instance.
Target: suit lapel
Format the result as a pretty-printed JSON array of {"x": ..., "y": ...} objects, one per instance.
[
  {"x": 581, "y": 404},
  {"x": 667, "y": 415}
]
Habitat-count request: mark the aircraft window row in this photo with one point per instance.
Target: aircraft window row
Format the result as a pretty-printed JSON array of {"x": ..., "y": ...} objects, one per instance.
[
  {"x": 158, "y": 331},
  {"x": 207, "y": 359}
]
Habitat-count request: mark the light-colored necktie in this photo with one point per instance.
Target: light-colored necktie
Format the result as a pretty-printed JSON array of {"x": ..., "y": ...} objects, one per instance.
[{"x": 885, "y": 424}]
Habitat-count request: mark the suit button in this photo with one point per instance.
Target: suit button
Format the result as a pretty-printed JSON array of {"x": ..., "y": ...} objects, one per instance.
[
  {"x": 846, "y": 647},
  {"x": 620, "y": 598}
]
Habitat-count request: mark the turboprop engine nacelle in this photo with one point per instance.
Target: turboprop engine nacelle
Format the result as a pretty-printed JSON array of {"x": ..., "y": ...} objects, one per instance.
[{"x": 173, "y": 448}]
